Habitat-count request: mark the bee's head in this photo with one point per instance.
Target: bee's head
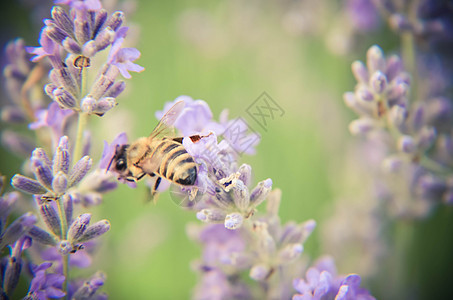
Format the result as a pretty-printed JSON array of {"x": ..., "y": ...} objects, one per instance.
[{"x": 118, "y": 163}]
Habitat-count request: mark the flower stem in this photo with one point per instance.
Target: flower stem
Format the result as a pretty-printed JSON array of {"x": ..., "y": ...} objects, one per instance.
[
  {"x": 64, "y": 227},
  {"x": 83, "y": 119}
]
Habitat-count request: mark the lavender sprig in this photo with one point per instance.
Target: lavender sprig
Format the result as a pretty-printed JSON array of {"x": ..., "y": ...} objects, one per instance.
[{"x": 248, "y": 243}]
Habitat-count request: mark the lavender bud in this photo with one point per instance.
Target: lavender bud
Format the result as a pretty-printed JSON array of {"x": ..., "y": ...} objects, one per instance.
[
  {"x": 62, "y": 19},
  {"x": 246, "y": 174},
  {"x": 233, "y": 221},
  {"x": 56, "y": 33},
  {"x": 13, "y": 114},
  {"x": 418, "y": 118},
  {"x": 273, "y": 202},
  {"x": 290, "y": 252},
  {"x": 260, "y": 192},
  {"x": 63, "y": 77},
  {"x": 82, "y": 31},
  {"x": 265, "y": 241},
  {"x": 70, "y": 45},
  {"x": 397, "y": 115},
  {"x": 95, "y": 230},
  {"x": 378, "y": 82},
  {"x": 103, "y": 83},
  {"x": 16, "y": 229},
  {"x": 49, "y": 89},
  {"x": 116, "y": 89},
  {"x": 115, "y": 20},
  {"x": 104, "y": 105},
  {"x": 88, "y": 104},
  {"x": 64, "y": 98},
  {"x": 68, "y": 207},
  {"x": 208, "y": 215},
  {"x": 392, "y": 164},
  {"x": 78, "y": 227},
  {"x": 351, "y": 101},
  {"x": 308, "y": 227},
  {"x": 63, "y": 142},
  {"x": 101, "y": 17},
  {"x": 50, "y": 218},
  {"x": 42, "y": 236},
  {"x": 60, "y": 183},
  {"x": 40, "y": 154},
  {"x": 362, "y": 126},
  {"x": 241, "y": 196},
  {"x": 394, "y": 67},
  {"x": 89, "y": 49},
  {"x": 363, "y": 94},
  {"x": 43, "y": 173},
  {"x": 61, "y": 160},
  {"x": 406, "y": 144},
  {"x": 65, "y": 247},
  {"x": 259, "y": 272},
  {"x": 12, "y": 273},
  {"x": 426, "y": 137},
  {"x": 360, "y": 72},
  {"x": 398, "y": 90},
  {"x": 104, "y": 38},
  {"x": 291, "y": 234},
  {"x": 79, "y": 171},
  {"x": 375, "y": 59},
  {"x": 27, "y": 185},
  {"x": 16, "y": 143}
]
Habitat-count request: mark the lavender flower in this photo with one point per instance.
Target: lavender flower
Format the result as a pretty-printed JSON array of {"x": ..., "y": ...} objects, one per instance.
[
  {"x": 54, "y": 118},
  {"x": 407, "y": 131},
  {"x": 197, "y": 118},
  {"x": 83, "y": 33},
  {"x": 322, "y": 282},
  {"x": 45, "y": 284}
]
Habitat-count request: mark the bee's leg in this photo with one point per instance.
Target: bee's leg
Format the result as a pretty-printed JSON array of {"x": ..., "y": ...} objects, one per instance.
[
  {"x": 156, "y": 185},
  {"x": 141, "y": 176}
]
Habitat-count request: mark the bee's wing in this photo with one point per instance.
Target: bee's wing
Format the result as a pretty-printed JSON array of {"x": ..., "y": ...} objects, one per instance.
[{"x": 165, "y": 126}]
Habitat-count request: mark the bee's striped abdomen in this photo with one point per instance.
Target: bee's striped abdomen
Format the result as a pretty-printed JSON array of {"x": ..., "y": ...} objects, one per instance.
[{"x": 177, "y": 165}]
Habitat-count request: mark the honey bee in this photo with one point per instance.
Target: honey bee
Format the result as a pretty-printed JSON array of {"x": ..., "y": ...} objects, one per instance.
[{"x": 159, "y": 155}]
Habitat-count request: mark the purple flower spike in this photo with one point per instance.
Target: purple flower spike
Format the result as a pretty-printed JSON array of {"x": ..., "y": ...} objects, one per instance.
[
  {"x": 322, "y": 282},
  {"x": 45, "y": 285}
]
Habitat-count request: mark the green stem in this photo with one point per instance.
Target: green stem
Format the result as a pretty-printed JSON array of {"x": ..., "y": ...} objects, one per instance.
[
  {"x": 64, "y": 227},
  {"x": 82, "y": 122},
  {"x": 408, "y": 48}
]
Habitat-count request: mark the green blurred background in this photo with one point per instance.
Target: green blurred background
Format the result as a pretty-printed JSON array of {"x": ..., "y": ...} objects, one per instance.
[{"x": 227, "y": 53}]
